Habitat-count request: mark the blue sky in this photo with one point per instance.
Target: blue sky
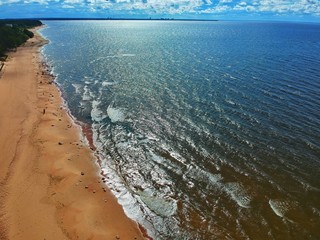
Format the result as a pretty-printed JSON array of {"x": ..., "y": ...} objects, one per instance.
[{"x": 286, "y": 10}]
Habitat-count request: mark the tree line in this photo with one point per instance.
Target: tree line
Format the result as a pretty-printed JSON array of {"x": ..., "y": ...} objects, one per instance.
[{"x": 15, "y": 32}]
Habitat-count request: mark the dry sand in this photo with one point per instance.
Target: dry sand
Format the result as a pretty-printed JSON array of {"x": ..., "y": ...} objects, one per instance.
[{"x": 43, "y": 193}]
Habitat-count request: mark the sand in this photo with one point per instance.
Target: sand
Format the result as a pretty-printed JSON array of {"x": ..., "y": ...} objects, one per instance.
[{"x": 49, "y": 182}]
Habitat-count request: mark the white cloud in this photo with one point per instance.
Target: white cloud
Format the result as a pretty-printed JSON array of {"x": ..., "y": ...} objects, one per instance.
[
  {"x": 164, "y": 6},
  {"x": 73, "y": 1},
  {"x": 43, "y": 2},
  {"x": 286, "y": 6},
  {"x": 217, "y": 9},
  {"x": 310, "y": 7},
  {"x": 2, "y": 2}
]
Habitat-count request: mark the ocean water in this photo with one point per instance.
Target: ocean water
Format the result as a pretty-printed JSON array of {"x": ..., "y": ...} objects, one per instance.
[{"x": 205, "y": 130}]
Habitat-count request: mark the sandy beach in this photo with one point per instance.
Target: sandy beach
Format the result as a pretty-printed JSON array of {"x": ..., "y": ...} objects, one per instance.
[{"x": 49, "y": 182}]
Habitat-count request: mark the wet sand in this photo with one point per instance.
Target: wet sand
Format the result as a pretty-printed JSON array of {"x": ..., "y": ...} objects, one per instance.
[{"x": 49, "y": 182}]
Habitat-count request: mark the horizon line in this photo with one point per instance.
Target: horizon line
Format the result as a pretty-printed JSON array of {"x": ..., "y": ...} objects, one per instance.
[
  {"x": 110, "y": 18},
  {"x": 155, "y": 19}
]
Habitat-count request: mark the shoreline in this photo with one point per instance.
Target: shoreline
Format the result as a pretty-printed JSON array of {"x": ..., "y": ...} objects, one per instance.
[{"x": 50, "y": 183}]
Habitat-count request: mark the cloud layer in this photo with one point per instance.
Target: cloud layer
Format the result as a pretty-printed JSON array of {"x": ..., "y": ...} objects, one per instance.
[{"x": 181, "y": 7}]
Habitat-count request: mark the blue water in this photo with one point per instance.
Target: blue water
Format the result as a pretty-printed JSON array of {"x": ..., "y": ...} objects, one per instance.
[{"x": 206, "y": 130}]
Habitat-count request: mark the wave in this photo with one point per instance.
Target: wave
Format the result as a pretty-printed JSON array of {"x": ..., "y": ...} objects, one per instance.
[
  {"x": 96, "y": 114},
  {"x": 107, "y": 83},
  {"x": 115, "y": 114},
  {"x": 238, "y": 194},
  {"x": 282, "y": 207},
  {"x": 161, "y": 206}
]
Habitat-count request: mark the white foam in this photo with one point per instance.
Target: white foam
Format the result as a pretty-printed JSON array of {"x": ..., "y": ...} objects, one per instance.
[
  {"x": 230, "y": 102},
  {"x": 98, "y": 59},
  {"x": 123, "y": 145},
  {"x": 131, "y": 205},
  {"x": 77, "y": 87},
  {"x": 316, "y": 211},
  {"x": 106, "y": 83},
  {"x": 128, "y": 55},
  {"x": 87, "y": 80},
  {"x": 156, "y": 158},
  {"x": 238, "y": 194},
  {"x": 177, "y": 157},
  {"x": 161, "y": 206},
  {"x": 86, "y": 94},
  {"x": 229, "y": 75},
  {"x": 204, "y": 176},
  {"x": 96, "y": 114},
  {"x": 281, "y": 207},
  {"x": 115, "y": 114}
]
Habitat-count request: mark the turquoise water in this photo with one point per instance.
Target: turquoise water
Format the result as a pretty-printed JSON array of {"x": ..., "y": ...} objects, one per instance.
[{"x": 206, "y": 130}]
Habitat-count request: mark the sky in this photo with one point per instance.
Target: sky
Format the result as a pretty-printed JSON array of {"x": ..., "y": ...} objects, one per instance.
[{"x": 276, "y": 10}]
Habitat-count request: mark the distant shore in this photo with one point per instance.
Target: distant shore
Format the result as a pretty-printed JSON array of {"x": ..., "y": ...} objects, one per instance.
[
  {"x": 49, "y": 183},
  {"x": 125, "y": 19}
]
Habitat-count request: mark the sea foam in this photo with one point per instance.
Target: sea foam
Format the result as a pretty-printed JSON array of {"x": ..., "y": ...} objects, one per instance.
[
  {"x": 161, "y": 206},
  {"x": 106, "y": 83},
  {"x": 282, "y": 207},
  {"x": 238, "y": 194},
  {"x": 96, "y": 114},
  {"x": 115, "y": 114}
]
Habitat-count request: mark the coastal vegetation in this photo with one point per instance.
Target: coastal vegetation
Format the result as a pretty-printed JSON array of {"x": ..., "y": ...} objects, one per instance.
[{"x": 15, "y": 32}]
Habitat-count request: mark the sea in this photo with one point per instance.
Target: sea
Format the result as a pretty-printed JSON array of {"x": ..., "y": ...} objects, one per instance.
[{"x": 204, "y": 129}]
